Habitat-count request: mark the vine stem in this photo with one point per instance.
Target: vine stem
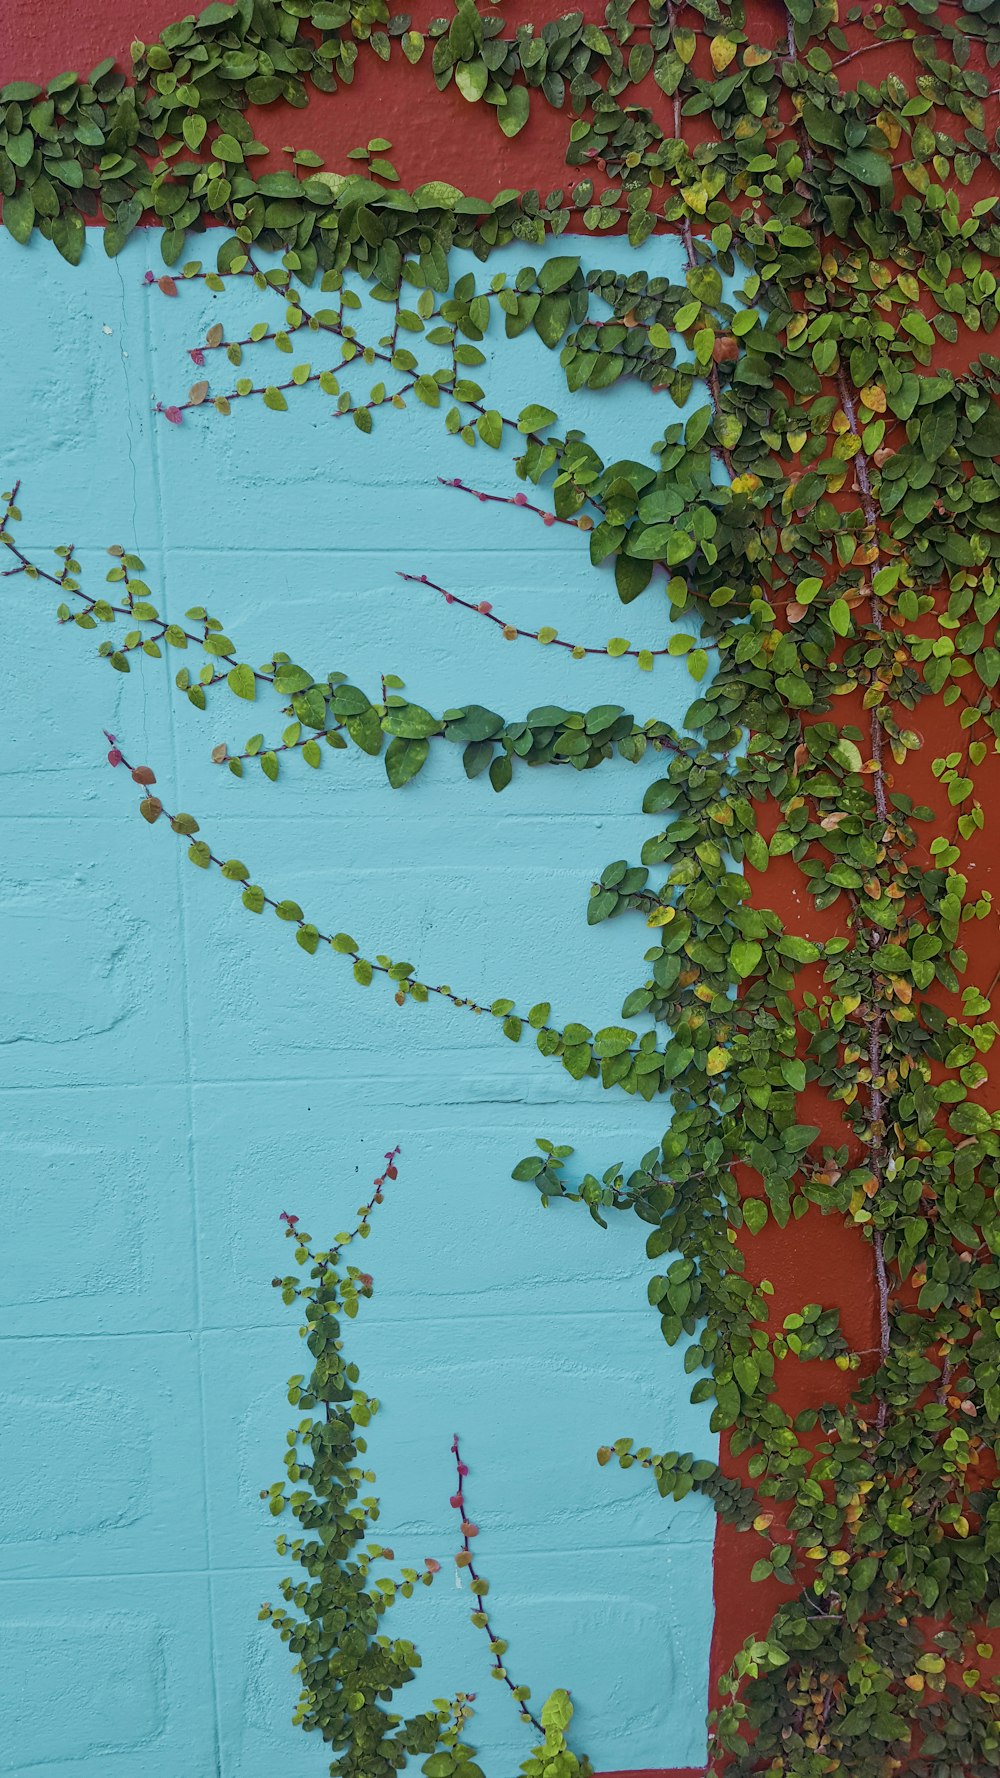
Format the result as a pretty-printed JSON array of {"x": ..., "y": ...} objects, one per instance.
[
  {"x": 687, "y": 234},
  {"x": 364, "y": 1213},
  {"x": 34, "y": 572},
  {"x": 468, "y": 1532},
  {"x": 511, "y": 632},
  {"x": 521, "y": 500},
  {"x": 365, "y": 1210},
  {"x": 117, "y": 758},
  {"x": 876, "y": 1097},
  {"x": 367, "y": 354}
]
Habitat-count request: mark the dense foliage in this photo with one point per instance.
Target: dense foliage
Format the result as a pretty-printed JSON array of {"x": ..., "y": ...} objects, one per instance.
[{"x": 828, "y": 524}]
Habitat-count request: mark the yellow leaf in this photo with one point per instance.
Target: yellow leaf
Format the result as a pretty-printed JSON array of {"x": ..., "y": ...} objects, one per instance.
[
  {"x": 873, "y": 396},
  {"x": 755, "y": 58},
  {"x": 890, "y": 127},
  {"x": 661, "y": 917},
  {"x": 716, "y": 1060},
  {"x": 722, "y": 52}
]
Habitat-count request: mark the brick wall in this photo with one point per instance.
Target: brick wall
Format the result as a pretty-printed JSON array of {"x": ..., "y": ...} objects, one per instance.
[{"x": 178, "y": 1073}]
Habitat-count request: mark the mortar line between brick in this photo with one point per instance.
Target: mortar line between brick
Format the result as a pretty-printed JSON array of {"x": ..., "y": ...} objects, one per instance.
[
  {"x": 447, "y": 1317},
  {"x": 191, "y": 1146},
  {"x": 266, "y": 1571}
]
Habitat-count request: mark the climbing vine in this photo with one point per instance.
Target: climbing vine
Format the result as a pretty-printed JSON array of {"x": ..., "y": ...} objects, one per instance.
[
  {"x": 348, "y": 1669},
  {"x": 826, "y": 523}
]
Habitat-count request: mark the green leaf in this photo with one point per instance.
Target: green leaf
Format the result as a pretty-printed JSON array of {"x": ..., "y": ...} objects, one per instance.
[
  {"x": 193, "y": 128},
  {"x": 557, "y": 1712},
  {"x": 744, "y": 956},
  {"x": 490, "y": 428},
  {"x": 556, "y": 273},
  {"x": 846, "y": 754},
  {"x": 411, "y": 722},
  {"x": 19, "y": 215},
  {"x": 800, "y": 950},
  {"x": 600, "y": 906},
  {"x": 529, "y": 1168},
  {"x": 226, "y": 148},
  {"x": 747, "y": 1373},
  {"x": 869, "y": 167},
  {"x": 863, "y": 1572},
  {"x": 472, "y": 79},
  {"x": 403, "y": 760},
  {"x": 551, "y": 319},
  {"x": 533, "y": 417},
  {"x": 840, "y": 617},
  {"x": 513, "y": 115},
  {"x": 440, "y": 1765},
  {"x": 69, "y": 234},
  {"x": 754, "y": 1214},
  {"x": 793, "y": 1072},
  {"x": 242, "y": 683}
]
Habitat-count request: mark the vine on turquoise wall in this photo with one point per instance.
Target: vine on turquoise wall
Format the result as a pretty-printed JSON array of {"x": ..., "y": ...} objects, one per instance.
[
  {"x": 349, "y": 1670},
  {"x": 827, "y": 524}
]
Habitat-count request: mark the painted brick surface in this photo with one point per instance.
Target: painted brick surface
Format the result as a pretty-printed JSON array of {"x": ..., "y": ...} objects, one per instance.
[{"x": 177, "y": 1073}]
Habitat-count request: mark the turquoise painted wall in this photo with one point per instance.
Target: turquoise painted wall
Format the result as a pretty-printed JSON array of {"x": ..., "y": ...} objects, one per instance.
[{"x": 177, "y": 1073}]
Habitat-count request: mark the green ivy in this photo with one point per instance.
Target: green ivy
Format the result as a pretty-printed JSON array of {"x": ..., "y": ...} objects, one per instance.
[{"x": 826, "y": 527}]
